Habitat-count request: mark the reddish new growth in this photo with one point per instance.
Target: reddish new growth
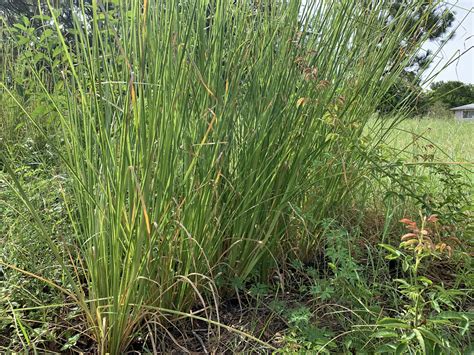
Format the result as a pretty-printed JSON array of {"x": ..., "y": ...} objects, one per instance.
[{"x": 419, "y": 238}]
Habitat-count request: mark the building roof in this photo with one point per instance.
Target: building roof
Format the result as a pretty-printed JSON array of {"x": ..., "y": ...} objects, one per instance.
[{"x": 464, "y": 107}]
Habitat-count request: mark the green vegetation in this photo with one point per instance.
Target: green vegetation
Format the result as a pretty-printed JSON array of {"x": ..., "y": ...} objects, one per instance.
[
  {"x": 407, "y": 90},
  {"x": 452, "y": 93},
  {"x": 208, "y": 175},
  {"x": 451, "y": 140}
]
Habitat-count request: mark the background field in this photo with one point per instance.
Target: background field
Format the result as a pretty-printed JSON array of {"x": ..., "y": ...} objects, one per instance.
[{"x": 454, "y": 140}]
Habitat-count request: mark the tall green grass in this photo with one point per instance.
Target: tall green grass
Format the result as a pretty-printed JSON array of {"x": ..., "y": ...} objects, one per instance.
[
  {"x": 451, "y": 137},
  {"x": 195, "y": 132}
]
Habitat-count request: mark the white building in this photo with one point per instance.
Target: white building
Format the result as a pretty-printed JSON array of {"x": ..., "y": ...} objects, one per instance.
[{"x": 465, "y": 112}]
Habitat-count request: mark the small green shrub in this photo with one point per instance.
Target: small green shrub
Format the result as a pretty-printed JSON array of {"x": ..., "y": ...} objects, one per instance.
[{"x": 417, "y": 329}]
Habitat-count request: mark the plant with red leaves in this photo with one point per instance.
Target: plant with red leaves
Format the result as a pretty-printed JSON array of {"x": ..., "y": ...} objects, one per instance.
[{"x": 420, "y": 239}]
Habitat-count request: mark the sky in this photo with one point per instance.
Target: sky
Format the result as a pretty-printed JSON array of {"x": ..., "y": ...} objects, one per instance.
[{"x": 461, "y": 69}]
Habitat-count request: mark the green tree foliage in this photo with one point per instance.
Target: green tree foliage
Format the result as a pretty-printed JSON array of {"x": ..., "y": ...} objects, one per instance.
[
  {"x": 12, "y": 9},
  {"x": 407, "y": 91},
  {"x": 452, "y": 93},
  {"x": 438, "y": 22}
]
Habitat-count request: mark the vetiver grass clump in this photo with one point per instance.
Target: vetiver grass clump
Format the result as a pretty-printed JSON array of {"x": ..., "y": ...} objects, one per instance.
[{"x": 193, "y": 133}]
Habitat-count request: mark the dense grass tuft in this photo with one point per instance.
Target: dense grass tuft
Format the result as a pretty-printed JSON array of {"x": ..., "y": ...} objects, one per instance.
[{"x": 195, "y": 133}]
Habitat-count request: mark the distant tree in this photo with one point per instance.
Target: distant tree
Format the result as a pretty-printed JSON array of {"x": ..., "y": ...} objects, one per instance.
[
  {"x": 407, "y": 91},
  {"x": 32, "y": 36},
  {"x": 12, "y": 9},
  {"x": 452, "y": 93},
  {"x": 436, "y": 26}
]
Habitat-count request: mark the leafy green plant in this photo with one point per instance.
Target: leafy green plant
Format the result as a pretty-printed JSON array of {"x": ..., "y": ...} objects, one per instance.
[
  {"x": 339, "y": 252},
  {"x": 416, "y": 329},
  {"x": 25, "y": 300},
  {"x": 303, "y": 333}
]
